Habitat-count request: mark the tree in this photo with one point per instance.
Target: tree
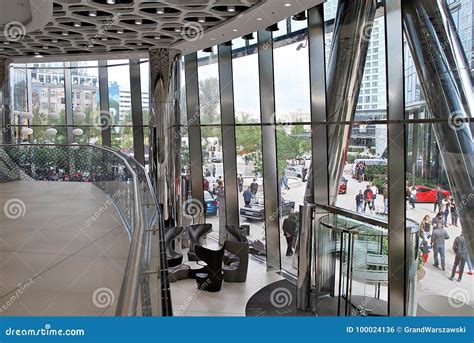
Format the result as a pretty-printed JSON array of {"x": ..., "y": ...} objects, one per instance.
[{"x": 209, "y": 100}]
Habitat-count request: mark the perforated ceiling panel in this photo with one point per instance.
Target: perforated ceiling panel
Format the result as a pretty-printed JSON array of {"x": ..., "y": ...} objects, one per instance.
[{"x": 97, "y": 26}]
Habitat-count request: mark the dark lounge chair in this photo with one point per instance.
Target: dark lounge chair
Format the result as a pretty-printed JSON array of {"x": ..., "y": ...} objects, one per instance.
[
  {"x": 195, "y": 233},
  {"x": 174, "y": 258},
  {"x": 236, "y": 261},
  {"x": 211, "y": 278}
]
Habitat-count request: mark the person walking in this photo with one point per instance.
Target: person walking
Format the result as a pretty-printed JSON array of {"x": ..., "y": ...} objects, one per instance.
[
  {"x": 248, "y": 196},
  {"x": 438, "y": 242},
  {"x": 254, "y": 187},
  {"x": 368, "y": 198},
  {"x": 425, "y": 228},
  {"x": 461, "y": 251},
  {"x": 240, "y": 181},
  {"x": 439, "y": 199},
  {"x": 385, "y": 197},
  {"x": 375, "y": 192},
  {"x": 304, "y": 173},
  {"x": 425, "y": 250},
  {"x": 413, "y": 196},
  {"x": 445, "y": 210},
  {"x": 359, "y": 202},
  {"x": 454, "y": 212},
  {"x": 289, "y": 231},
  {"x": 284, "y": 182}
]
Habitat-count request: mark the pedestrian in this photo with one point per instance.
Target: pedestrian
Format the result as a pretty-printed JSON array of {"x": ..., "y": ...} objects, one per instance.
[
  {"x": 375, "y": 191},
  {"x": 359, "y": 202},
  {"x": 461, "y": 251},
  {"x": 248, "y": 196},
  {"x": 438, "y": 242},
  {"x": 304, "y": 172},
  {"x": 240, "y": 181},
  {"x": 413, "y": 196},
  {"x": 385, "y": 197},
  {"x": 439, "y": 199},
  {"x": 254, "y": 187},
  {"x": 454, "y": 212},
  {"x": 207, "y": 173},
  {"x": 368, "y": 198},
  {"x": 289, "y": 231},
  {"x": 425, "y": 228},
  {"x": 445, "y": 210},
  {"x": 425, "y": 250},
  {"x": 284, "y": 182}
]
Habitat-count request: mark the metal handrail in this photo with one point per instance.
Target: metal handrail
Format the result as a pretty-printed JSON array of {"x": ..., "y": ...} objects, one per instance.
[{"x": 129, "y": 291}]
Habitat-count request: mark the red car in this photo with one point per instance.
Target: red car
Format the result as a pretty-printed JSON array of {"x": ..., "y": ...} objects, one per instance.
[
  {"x": 426, "y": 194},
  {"x": 343, "y": 185}
]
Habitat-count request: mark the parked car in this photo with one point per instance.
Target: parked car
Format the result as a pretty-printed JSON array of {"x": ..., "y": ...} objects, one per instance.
[
  {"x": 343, "y": 185},
  {"x": 212, "y": 204},
  {"x": 256, "y": 211},
  {"x": 426, "y": 194},
  {"x": 217, "y": 158},
  {"x": 294, "y": 171}
]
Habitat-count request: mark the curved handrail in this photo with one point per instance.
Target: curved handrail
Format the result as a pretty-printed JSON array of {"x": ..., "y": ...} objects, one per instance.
[{"x": 129, "y": 291}]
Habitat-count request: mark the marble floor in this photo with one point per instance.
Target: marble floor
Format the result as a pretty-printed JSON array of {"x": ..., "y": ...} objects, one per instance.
[{"x": 57, "y": 256}]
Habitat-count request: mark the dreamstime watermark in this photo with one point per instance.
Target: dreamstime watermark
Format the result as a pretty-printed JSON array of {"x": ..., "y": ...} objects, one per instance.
[
  {"x": 465, "y": 201},
  {"x": 182, "y": 308},
  {"x": 458, "y": 297},
  {"x": 192, "y": 208},
  {"x": 281, "y": 297},
  {"x": 104, "y": 207},
  {"x": 18, "y": 293},
  {"x": 457, "y": 120},
  {"x": 103, "y": 297},
  {"x": 192, "y": 32},
  {"x": 14, "y": 31},
  {"x": 103, "y": 31},
  {"x": 14, "y": 208},
  {"x": 104, "y": 121}
]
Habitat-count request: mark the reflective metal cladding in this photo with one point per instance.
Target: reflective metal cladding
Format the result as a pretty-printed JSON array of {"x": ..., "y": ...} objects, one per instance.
[{"x": 446, "y": 84}]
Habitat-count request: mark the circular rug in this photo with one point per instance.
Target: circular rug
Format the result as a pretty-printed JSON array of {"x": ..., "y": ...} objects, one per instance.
[{"x": 275, "y": 300}]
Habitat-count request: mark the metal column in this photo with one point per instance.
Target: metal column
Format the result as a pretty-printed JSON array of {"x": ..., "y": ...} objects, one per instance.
[
  {"x": 396, "y": 158},
  {"x": 137, "y": 113},
  {"x": 162, "y": 103},
  {"x": 446, "y": 83},
  {"x": 194, "y": 132},
  {"x": 270, "y": 167},
  {"x": 226, "y": 86},
  {"x": 105, "y": 119},
  {"x": 68, "y": 97},
  {"x": 5, "y": 100}
]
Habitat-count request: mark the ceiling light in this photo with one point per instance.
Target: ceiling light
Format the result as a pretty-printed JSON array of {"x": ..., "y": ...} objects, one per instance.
[
  {"x": 287, "y": 5},
  {"x": 272, "y": 28},
  {"x": 160, "y": 10},
  {"x": 45, "y": 47},
  {"x": 104, "y": 38},
  {"x": 208, "y": 50},
  {"x": 54, "y": 40},
  {"x": 202, "y": 20},
  {"x": 38, "y": 55},
  {"x": 139, "y": 44},
  {"x": 157, "y": 37},
  {"x": 259, "y": 19},
  {"x": 235, "y": 30},
  {"x": 248, "y": 37},
  {"x": 119, "y": 31},
  {"x": 111, "y": 2},
  {"x": 300, "y": 16},
  {"x": 77, "y": 24},
  {"x": 138, "y": 21},
  {"x": 92, "y": 13},
  {"x": 6, "y": 42},
  {"x": 177, "y": 30},
  {"x": 230, "y": 8},
  {"x": 65, "y": 33}
]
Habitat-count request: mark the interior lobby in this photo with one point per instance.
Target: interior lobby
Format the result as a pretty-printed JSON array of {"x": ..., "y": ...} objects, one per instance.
[{"x": 236, "y": 158}]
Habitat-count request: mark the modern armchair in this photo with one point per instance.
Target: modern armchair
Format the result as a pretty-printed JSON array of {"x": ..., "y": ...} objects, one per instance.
[
  {"x": 236, "y": 261},
  {"x": 235, "y": 233},
  {"x": 174, "y": 258},
  {"x": 195, "y": 233},
  {"x": 211, "y": 278}
]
